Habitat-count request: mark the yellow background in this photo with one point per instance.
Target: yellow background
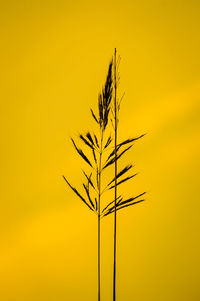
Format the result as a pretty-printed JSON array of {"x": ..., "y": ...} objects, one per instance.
[{"x": 54, "y": 59}]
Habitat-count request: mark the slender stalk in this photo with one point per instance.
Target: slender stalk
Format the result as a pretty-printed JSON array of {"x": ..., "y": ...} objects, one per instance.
[
  {"x": 107, "y": 102},
  {"x": 99, "y": 217},
  {"x": 99, "y": 272},
  {"x": 115, "y": 213},
  {"x": 90, "y": 199}
]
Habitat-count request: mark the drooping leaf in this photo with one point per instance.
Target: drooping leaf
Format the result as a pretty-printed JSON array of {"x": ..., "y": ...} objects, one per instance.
[
  {"x": 124, "y": 180},
  {"x": 122, "y": 172},
  {"x": 77, "y": 193},
  {"x": 80, "y": 152}
]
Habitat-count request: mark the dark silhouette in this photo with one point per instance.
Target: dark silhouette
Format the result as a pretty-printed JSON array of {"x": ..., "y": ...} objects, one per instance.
[
  {"x": 118, "y": 203},
  {"x": 97, "y": 145},
  {"x": 100, "y": 145}
]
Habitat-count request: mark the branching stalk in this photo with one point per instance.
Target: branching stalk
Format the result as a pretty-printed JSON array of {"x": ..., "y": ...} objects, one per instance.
[
  {"x": 115, "y": 213},
  {"x": 96, "y": 145},
  {"x": 99, "y": 215}
]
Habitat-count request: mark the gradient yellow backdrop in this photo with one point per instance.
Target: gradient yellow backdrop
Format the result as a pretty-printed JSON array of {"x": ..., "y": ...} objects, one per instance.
[{"x": 54, "y": 58}]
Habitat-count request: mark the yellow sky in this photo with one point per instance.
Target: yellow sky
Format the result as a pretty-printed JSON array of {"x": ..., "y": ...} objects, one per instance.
[{"x": 54, "y": 59}]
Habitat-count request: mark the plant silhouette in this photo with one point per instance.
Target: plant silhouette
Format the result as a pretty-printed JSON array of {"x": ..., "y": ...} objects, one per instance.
[
  {"x": 105, "y": 151},
  {"x": 119, "y": 202},
  {"x": 98, "y": 144}
]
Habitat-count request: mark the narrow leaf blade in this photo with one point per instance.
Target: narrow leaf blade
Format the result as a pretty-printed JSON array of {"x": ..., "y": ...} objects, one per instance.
[
  {"x": 124, "y": 180},
  {"x": 77, "y": 193},
  {"x": 88, "y": 195},
  {"x": 122, "y": 172},
  {"x": 85, "y": 141},
  {"x": 94, "y": 116},
  {"x": 127, "y": 205},
  {"x": 130, "y": 140},
  {"x": 89, "y": 179},
  {"x": 130, "y": 199},
  {"x": 80, "y": 152}
]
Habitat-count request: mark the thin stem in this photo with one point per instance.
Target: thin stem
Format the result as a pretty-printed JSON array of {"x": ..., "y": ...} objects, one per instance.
[
  {"x": 115, "y": 214},
  {"x": 99, "y": 217},
  {"x": 99, "y": 274}
]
